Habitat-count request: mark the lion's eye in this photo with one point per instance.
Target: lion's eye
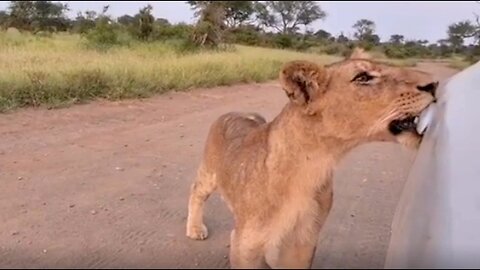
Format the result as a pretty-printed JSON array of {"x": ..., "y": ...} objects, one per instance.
[{"x": 363, "y": 77}]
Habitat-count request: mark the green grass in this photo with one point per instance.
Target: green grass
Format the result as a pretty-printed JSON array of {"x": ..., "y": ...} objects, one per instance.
[{"x": 57, "y": 71}]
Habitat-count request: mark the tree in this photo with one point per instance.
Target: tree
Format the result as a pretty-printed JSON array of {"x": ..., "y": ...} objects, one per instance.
[
  {"x": 457, "y": 33},
  {"x": 364, "y": 29},
  {"x": 162, "y": 21},
  {"x": 322, "y": 34},
  {"x": 342, "y": 38},
  {"x": 237, "y": 12},
  {"x": 37, "y": 15},
  {"x": 373, "y": 39},
  {"x": 3, "y": 18},
  {"x": 126, "y": 20},
  {"x": 445, "y": 49},
  {"x": 263, "y": 16},
  {"x": 146, "y": 21},
  {"x": 397, "y": 39},
  {"x": 463, "y": 29},
  {"x": 104, "y": 34},
  {"x": 21, "y": 14},
  {"x": 84, "y": 21},
  {"x": 210, "y": 26},
  {"x": 91, "y": 15},
  {"x": 365, "y": 33},
  {"x": 141, "y": 25},
  {"x": 287, "y": 16},
  {"x": 49, "y": 16},
  {"x": 477, "y": 28},
  {"x": 416, "y": 48},
  {"x": 48, "y": 9}
]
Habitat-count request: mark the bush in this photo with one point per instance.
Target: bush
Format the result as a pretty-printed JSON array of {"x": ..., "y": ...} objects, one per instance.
[
  {"x": 304, "y": 44},
  {"x": 473, "y": 55},
  {"x": 177, "y": 31},
  {"x": 347, "y": 49},
  {"x": 337, "y": 49},
  {"x": 208, "y": 35},
  {"x": 183, "y": 46},
  {"x": 283, "y": 41},
  {"x": 103, "y": 36},
  {"x": 245, "y": 35},
  {"x": 44, "y": 34},
  {"x": 393, "y": 51},
  {"x": 333, "y": 49}
]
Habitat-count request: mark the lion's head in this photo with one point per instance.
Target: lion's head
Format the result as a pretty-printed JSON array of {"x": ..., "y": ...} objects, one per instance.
[{"x": 360, "y": 99}]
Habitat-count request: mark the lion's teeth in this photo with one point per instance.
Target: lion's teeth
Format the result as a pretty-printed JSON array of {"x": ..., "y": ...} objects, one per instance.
[{"x": 416, "y": 120}]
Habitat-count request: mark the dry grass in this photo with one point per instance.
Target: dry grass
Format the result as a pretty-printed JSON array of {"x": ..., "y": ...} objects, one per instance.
[{"x": 57, "y": 71}]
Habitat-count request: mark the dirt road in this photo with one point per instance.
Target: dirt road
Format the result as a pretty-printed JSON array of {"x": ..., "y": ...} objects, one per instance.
[{"x": 106, "y": 185}]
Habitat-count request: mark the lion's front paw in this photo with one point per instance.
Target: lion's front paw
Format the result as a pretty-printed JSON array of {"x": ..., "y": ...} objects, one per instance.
[{"x": 197, "y": 232}]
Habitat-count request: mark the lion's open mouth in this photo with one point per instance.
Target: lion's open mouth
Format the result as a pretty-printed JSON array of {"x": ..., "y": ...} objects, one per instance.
[{"x": 408, "y": 124}]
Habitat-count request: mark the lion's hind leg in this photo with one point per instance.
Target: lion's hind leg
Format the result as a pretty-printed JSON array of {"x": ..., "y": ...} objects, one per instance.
[{"x": 205, "y": 184}]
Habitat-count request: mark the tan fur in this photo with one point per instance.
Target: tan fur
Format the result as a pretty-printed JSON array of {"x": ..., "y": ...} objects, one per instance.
[{"x": 276, "y": 177}]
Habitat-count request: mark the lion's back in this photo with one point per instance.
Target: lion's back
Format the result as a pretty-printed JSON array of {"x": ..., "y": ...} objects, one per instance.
[{"x": 227, "y": 136}]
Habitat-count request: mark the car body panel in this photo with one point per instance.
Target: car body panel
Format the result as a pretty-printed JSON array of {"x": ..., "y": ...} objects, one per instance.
[{"x": 437, "y": 222}]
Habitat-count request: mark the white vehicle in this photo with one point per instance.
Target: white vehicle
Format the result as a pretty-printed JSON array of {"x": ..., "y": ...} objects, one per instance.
[{"x": 437, "y": 222}]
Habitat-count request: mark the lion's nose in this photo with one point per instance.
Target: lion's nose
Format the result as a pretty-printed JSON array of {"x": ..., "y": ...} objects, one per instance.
[{"x": 430, "y": 88}]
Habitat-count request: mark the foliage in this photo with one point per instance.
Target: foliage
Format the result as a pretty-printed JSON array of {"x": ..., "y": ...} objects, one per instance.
[
  {"x": 287, "y": 16},
  {"x": 37, "y": 16},
  {"x": 209, "y": 29},
  {"x": 275, "y": 24},
  {"x": 104, "y": 35}
]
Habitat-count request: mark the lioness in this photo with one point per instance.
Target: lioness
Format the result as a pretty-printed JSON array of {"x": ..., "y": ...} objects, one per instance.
[{"x": 276, "y": 177}]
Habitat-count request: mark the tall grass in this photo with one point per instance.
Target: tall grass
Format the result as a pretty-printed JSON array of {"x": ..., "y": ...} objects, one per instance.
[{"x": 43, "y": 71}]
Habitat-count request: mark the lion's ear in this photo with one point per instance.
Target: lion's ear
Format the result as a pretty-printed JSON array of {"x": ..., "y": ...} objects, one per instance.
[
  {"x": 359, "y": 53},
  {"x": 303, "y": 81}
]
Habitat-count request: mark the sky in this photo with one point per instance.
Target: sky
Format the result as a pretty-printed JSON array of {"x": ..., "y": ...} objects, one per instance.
[{"x": 413, "y": 19}]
